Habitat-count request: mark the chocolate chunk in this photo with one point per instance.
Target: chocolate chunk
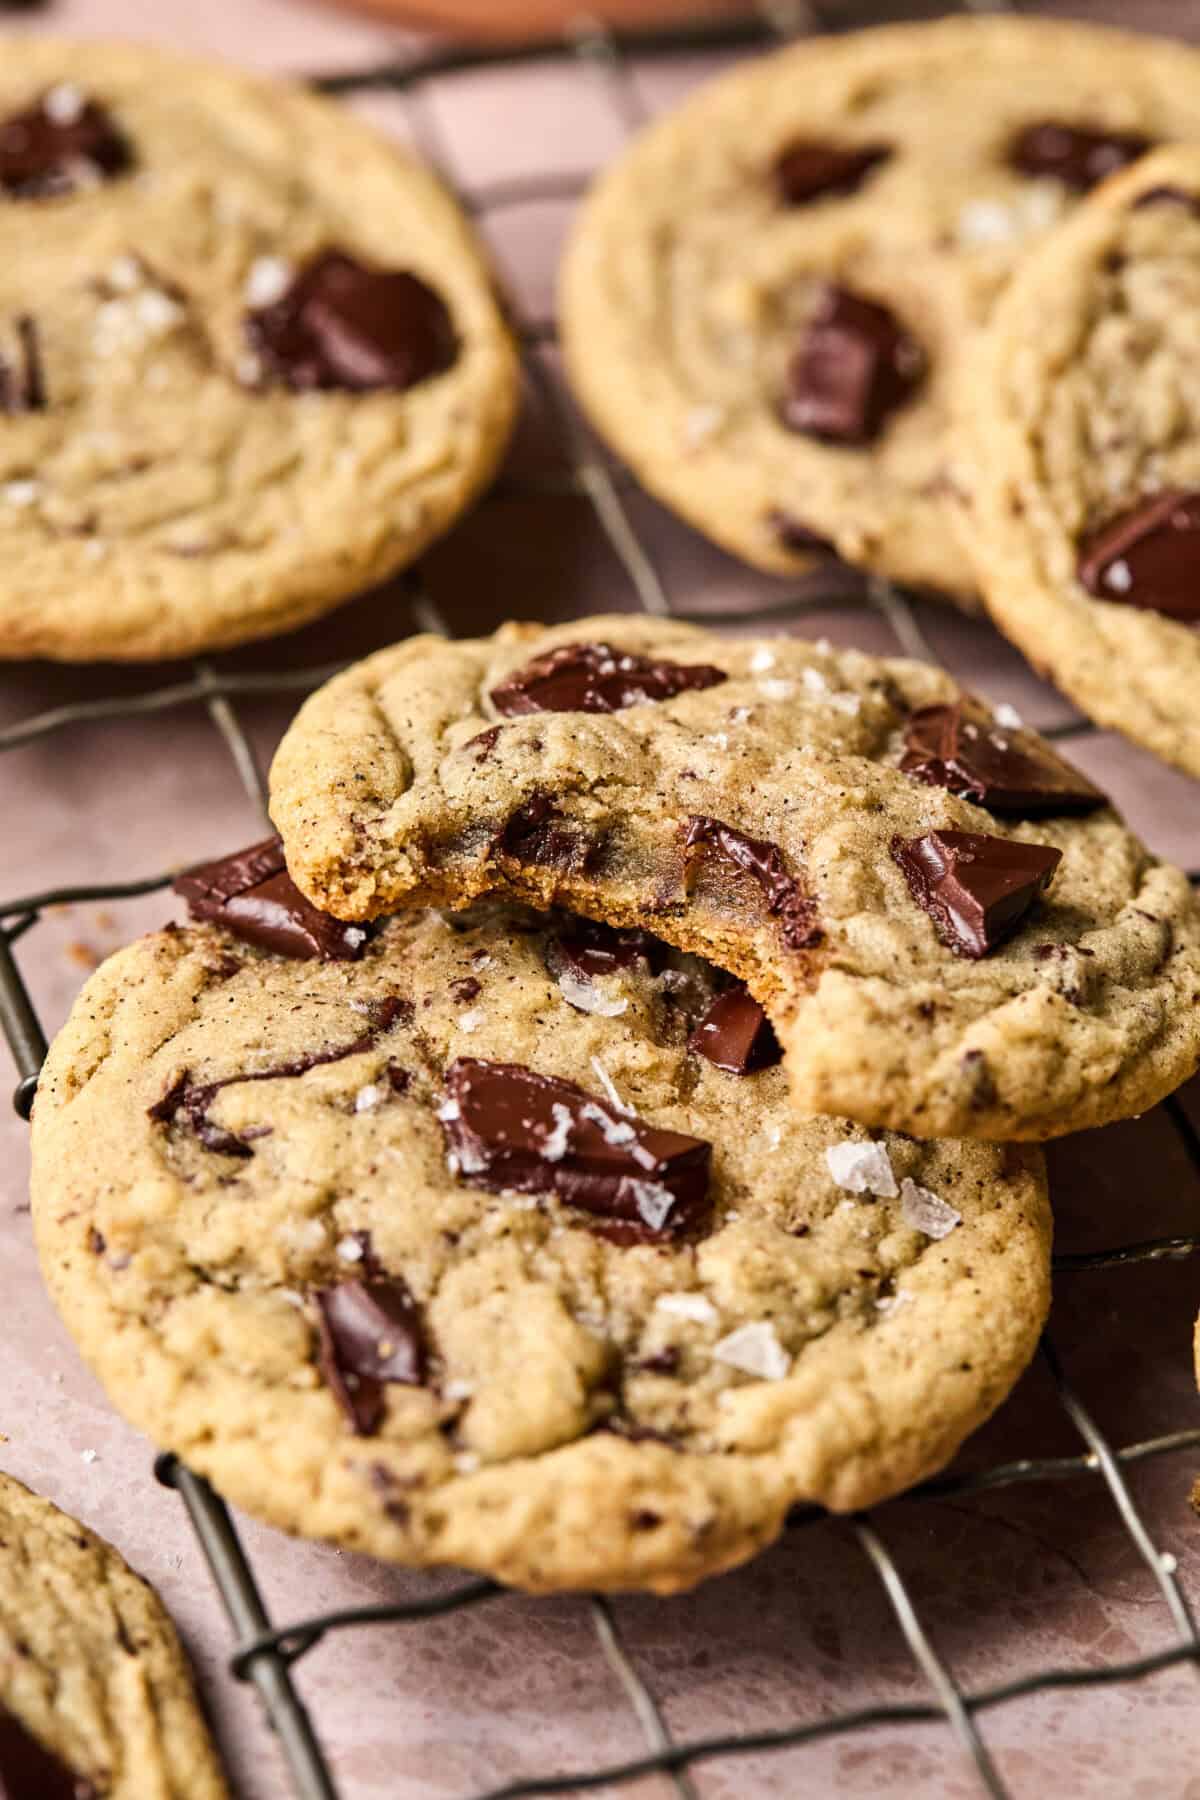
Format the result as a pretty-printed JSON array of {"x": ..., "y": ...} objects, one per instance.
[
  {"x": 1147, "y": 556},
  {"x": 29, "y": 1771},
  {"x": 509, "y": 1127},
  {"x": 1169, "y": 196},
  {"x": 252, "y": 895},
  {"x": 484, "y": 743},
  {"x": 814, "y": 169},
  {"x": 22, "y": 381},
  {"x": 735, "y": 1034},
  {"x": 959, "y": 748},
  {"x": 62, "y": 143},
  {"x": 587, "y": 949},
  {"x": 794, "y": 535},
  {"x": 187, "y": 1102},
  {"x": 597, "y": 678},
  {"x": 371, "y": 1333},
  {"x": 976, "y": 889},
  {"x": 537, "y": 833},
  {"x": 343, "y": 325},
  {"x": 784, "y": 894},
  {"x": 1076, "y": 155},
  {"x": 855, "y": 365}
]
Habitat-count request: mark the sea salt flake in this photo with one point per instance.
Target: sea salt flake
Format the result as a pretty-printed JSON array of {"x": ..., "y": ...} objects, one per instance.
[
  {"x": 589, "y": 996},
  {"x": 654, "y": 1202},
  {"x": 695, "y": 1307},
  {"x": 350, "y": 1249},
  {"x": 448, "y": 1111},
  {"x": 762, "y": 660},
  {"x": 302, "y": 1234},
  {"x": 773, "y": 689},
  {"x": 814, "y": 681},
  {"x": 983, "y": 222},
  {"x": 466, "y": 1462},
  {"x": 1008, "y": 716},
  {"x": 125, "y": 274},
  {"x": 367, "y": 1098},
  {"x": 470, "y": 1021},
  {"x": 607, "y": 1083},
  {"x": 862, "y": 1169},
  {"x": 64, "y": 103},
  {"x": 849, "y": 704},
  {"x": 887, "y": 1303},
  {"x": 21, "y": 493},
  {"x": 268, "y": 279},
  {"x": 558, "y": 1140},
  {"x": 755, "y": 1350},
  {"x": 925, "y": 1211},
  {"x": 457, "y": 1389},
  {"x": 1119, "y": 577},
  {"x": 613, "y": 1131},
  {"x": 156, "y": 312}
]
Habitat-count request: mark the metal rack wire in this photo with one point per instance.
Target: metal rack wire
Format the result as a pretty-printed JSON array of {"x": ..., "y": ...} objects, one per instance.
[{"x": 265, "y": 1653}]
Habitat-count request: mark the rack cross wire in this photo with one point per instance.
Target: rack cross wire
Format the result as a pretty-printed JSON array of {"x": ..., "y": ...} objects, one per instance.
[{"x": 265, "y": 1653}]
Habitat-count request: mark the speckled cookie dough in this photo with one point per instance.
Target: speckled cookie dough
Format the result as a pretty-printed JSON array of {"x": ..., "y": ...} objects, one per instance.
[
  {"x": 854, "y": 837},
  {"x": 478, "y": 1249},
  {"x": 1081, "y": 421},
  {"x": 96, "y": 1698},
  {"x": 767, "y": 299},
  {"x": 250, "y": 359}
]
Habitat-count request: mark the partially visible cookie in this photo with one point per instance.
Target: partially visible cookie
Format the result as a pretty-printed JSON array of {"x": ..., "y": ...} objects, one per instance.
[
  {"x": 766, "y": 300},
  {"x": 250, "y": 358},
  {"x": 1081, "y": 415},
  {"x": 96, "y": 1698},
  {"x": 502, "y": 1246},
  {"x": 954, "y": 933}
]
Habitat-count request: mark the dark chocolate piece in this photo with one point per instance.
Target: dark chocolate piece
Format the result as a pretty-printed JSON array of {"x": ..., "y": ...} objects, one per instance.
[
  {"x": 252, "y": 895},
  {"x": 784, "y": 894},
  {"x": 1148, "y": 556},
  {"x": 855, "y": 365},
  {"x": 187, "y": 1102},
  {"x": 1077, "y": 155},
  {"x": 597, "y": 678},
  {"x": 794, "y": 535},
  {"x": 22, "y": 381},
  {"x": 960, "y": 748},
  {"x": 508, "y": 1127},
  {"x": 343, "y": 325},
  {"x": 537, "y": 833},
  {"x": 815, "y": 169},
  {"x": 62, "y": 143},
  {"x": 735, "y": 1034},
  {"x": 371, "y": 1333},
  {"x": 29, "y": 1771},
  {"x": 977, "y": 890},
  {"x": 586, "y": 949}
]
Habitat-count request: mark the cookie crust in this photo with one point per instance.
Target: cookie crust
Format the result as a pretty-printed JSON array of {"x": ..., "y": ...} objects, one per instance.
[{"x": 161, "y": 502}]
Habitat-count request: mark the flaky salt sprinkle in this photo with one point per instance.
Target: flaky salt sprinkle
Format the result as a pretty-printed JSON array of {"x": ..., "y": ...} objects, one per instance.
[
  {"x": 762, "y": 659},
  {"x": 1008, "y": 716},
  {"x": 695, "y": 1307},
  {"x": 368, "y": 1098},
  {"x": 814, "y": 681},
  {"x": 470, "y": 1021},
  {"x": 755, "y": 1350},
  {"x": 350, "y": 1249},
  {"x": 466, "y": 1462},
  {"x": 849, "y": 704},
  {"x": 558, "y": 1140},
  {"x": 1119, "y": 576},
  {"x": 457, "y": 1389},
  {"x": 267, "y": 280},
  {"x": 773, "y": 689},
  {"x": 64, "y": 103},
  {"x": 925, "y": 1211},
  {"x": 653, "y": 1201},
  {"x": 862, "y": 1169},
  {"x": 590, "y": 997},
  {"x": 609, "y": 1086},
  {"x": 21, "y": 493}
]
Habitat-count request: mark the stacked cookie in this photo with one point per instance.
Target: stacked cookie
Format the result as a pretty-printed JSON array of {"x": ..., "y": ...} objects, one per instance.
[
  {"x": 852, "y": 299},
  {"x": 666, "y": 1177}
]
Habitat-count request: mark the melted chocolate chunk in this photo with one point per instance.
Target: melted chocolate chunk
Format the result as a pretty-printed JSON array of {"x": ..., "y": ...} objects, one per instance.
[
  {"x": 537, "y": 833},
  {"x": 977, "y": 890},
  {"x": 343, "y": 325},
  {"x": 371, "y": 1333},
  {"x": 596, "y": 678},
  {"x": 587, "y": 949},
  {"x": 1076, "y": 155},
  {"x": 959, "y": 748},
  {"x": 62, "y": 143},
  {"x": 252, "y": 895},
  {"x": 784, "y": 895},
  {"x": 509, "y": 1127},
  {"x": 22, "y": 381},
  {"x": 735, "y": 1034},
  {"x": 794, "y": 535},
  {"x": 29, "y": 1771},
  {"x": 814, "y": 169},
  {"x": 855, "y": 365},
  {"x": 186, "y": 1102},
  {"x": 1148, "y": 556}
]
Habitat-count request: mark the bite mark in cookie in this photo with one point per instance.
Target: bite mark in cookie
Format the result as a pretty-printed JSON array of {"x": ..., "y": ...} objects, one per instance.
[{"x": 340, "y": 324}]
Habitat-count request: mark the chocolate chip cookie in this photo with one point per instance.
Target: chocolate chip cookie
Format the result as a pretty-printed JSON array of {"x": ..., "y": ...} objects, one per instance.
[
  {"x": 953, "y": 932},
  {"x": 96, "y": 1698},
  {"x": 250, "y": 360},
  {"x": 498, "y": 1242},
  {"x": 1082, "y": 423},
  {"x": 767, "y": 300}
]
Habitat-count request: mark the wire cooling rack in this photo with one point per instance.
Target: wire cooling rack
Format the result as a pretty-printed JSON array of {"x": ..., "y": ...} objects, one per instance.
[{"x": 265, "y": 1653}]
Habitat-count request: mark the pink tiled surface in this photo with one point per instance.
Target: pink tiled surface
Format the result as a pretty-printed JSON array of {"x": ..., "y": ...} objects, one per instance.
[{"x": 1023, "y": 1577}]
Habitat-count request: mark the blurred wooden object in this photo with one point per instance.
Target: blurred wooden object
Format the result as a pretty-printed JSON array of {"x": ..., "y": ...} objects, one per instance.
[{"x": 514, "y": 19}]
